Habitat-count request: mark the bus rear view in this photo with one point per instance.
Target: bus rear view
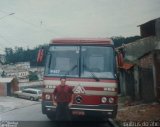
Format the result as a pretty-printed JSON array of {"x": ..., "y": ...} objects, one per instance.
[{"x": 90, "y": 68}]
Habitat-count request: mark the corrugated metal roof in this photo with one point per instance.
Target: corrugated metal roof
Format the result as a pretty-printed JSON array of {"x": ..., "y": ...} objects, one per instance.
[
  {"x": 137, "y": 49},
  {"x": 149, "y": 21},
  {"x": 126, "y": 66},
  {"x": 6, "y": 80}
]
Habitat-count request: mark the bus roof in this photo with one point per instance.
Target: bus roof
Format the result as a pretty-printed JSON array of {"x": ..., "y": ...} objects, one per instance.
[{"x": 83, "y": 41}]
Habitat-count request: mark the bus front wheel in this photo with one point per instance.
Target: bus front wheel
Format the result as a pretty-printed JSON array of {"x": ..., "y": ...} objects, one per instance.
[{"x": 51, "y": 117}]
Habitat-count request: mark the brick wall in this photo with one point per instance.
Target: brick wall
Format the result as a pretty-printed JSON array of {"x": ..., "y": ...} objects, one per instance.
[
  {"x": 15, "y": 85},
  {"x": 146, "y": 78},
  {"x": 147, "y": 85},
  {"x": 1, "y": 90},
  {"x": 146, "y": 61}
]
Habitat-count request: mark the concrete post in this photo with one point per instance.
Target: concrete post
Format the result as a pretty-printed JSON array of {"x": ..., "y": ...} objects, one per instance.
[
  {"x": 122, "y": 83},
  {"x": 136, "y": 83},
  {"x": 154, "y": 73}
]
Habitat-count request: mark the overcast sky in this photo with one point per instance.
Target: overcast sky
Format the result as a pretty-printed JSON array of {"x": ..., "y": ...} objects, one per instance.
[{"x": 36, "y": 22}]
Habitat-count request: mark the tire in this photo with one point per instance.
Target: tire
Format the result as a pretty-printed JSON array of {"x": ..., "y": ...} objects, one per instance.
[
  {"x": 16, "y": 95},
  {"x": 32, "y": 98},
  {"x": 51, "y": 117}
]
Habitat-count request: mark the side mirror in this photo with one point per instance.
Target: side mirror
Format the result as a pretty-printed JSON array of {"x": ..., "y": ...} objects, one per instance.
[
  {"x": 120, "y": 59},
  {"x": 40, "y": 55}
]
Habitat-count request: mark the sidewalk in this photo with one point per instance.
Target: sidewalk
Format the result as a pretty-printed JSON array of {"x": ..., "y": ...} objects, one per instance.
[
  {"x": 137, "y": 111},
  {"x": 11, "y": 103}
]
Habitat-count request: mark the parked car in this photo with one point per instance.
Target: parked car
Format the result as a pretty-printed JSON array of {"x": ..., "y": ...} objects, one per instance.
[{"x": 29, "y": 93}]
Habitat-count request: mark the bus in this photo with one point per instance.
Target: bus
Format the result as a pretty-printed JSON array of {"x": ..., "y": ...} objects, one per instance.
[{"x": 89, "y": 66}]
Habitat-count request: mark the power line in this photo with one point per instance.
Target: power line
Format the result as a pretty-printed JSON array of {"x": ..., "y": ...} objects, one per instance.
[
  {"x": 26, "y": 22},
  {"x": 3, "y": 11},
  {"x": 29, "y": 23},
  {"x": 34, "y": 25},
  {"x": 8, "y": 41},
  {"x": 7, "y": 15},
  {"x": 2, "y": 45},
  {"x": 1, "y": 36},
  {"x": 5, "y": 39}
]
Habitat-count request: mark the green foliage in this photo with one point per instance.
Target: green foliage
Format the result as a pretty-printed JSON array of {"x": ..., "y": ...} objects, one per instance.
[
  {"x": 3, "y": 74},
  {"x": 118, "y": 41},
  {"x": 18, "y": 54},
  {"x": 32, "y": 76},
  {"x": 9, "y": 55},
  {"x": 21, "y": 55}
]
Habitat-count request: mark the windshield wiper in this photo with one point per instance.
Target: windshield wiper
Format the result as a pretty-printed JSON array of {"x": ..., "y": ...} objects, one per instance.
[
  {"x": 93, "y": 75},
  {"x": 74, "y": 67}
]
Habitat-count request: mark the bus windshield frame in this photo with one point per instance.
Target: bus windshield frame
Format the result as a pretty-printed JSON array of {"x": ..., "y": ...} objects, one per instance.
[{"x": 81, "y": 61}]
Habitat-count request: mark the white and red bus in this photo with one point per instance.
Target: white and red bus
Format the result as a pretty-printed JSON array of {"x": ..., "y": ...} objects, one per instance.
[{"x": 90, "y": 68}]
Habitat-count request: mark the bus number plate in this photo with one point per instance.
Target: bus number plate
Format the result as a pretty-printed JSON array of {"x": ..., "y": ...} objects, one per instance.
[{"x": 80, "y": 113}]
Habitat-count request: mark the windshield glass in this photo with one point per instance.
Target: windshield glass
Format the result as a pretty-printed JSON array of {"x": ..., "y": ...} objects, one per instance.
[
  {"x": 39, "y": 92},
  {"x": 97, "y": 62},
  {"x": 84, "y": 61},
  {"x": 63, "y": 61}
]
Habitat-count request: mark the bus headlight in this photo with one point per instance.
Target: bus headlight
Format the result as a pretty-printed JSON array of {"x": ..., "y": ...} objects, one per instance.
[
  {"x": 110, "y": 89},
  {"x": 111, "y": 100},
  {"x": 48, "y": 97},
  {"x": 103, "y": 99}
]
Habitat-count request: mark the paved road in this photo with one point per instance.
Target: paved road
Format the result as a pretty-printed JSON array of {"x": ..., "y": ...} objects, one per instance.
[
  {"x": 31, "y": 116},
  {"x": 29, "y": 113}
]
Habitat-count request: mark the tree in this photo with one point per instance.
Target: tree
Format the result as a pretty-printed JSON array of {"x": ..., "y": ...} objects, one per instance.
[
  {"x": 9, "y": 55},
  {"x": 118, "y": 41},
  {"x": 21, "y": 55},
  {"x": 33, "y": 76},
  {"x": 3, "y": 74}
]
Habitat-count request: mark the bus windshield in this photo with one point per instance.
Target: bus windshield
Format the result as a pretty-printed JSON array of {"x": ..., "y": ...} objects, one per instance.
[
  {"x": 80, "y": 61},
  {"x": 97, "y": 62},
  {"x": 63, "y": 61}
]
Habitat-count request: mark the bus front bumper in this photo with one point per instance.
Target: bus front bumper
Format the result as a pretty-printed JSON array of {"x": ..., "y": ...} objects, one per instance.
[{"x": 103, "y": 110}]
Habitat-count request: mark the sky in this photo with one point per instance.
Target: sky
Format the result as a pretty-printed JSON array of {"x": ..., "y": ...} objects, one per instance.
[{"x": 36, "y": 22}]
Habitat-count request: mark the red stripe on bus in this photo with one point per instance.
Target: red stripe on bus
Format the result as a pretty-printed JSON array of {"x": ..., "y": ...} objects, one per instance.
[
  {"x": 94, "y": 88},
  {"x": 81, "y": 79}
]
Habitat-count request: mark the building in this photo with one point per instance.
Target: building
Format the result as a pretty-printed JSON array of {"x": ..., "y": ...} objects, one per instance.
[
  {"x": 8, "y": 86},
  {"x": 1, "y": 72},
  {"x": 19, "y": 70},
  {"x": 24, "y": 65},
  {"x": 140, "y": 72},
  {"x": 39, "y": 71},
  {"x": 18, "y": 73},
  {"x": 150, "y": 28},
  {"x": 33, "y": 84}
]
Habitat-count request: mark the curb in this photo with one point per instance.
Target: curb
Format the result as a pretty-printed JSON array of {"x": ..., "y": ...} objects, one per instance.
[{"x": 112, "y": 122}]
